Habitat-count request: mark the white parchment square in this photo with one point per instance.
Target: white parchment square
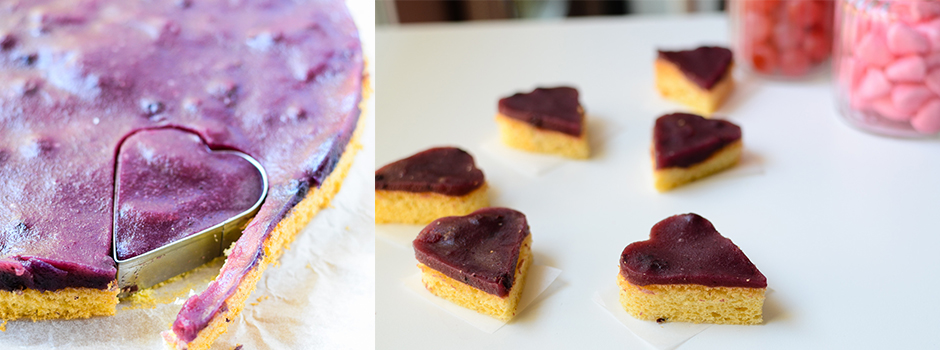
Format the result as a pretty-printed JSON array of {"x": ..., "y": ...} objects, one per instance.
[
  {"x": 665, "y": 336},
  {"x": 537, "y": 281},
  {"x": 535, "y": 164}
]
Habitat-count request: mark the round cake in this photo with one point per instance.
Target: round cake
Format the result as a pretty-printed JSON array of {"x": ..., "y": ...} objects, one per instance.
[{"x": 280, "y": 81}]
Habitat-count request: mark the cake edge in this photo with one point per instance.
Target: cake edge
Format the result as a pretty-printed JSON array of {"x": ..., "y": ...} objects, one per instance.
[
  {"x": 753, "y": 315},
  {"x": 281, "y": 236},
  {"x": 423, "y": 207},
  {"x": 521, "y": 135},
  {"x": 63, "y": 304},
  {"x": 479, "y": 300},
  {"x": 672, "y": 84},
  {"x": 666, "y": 179}
]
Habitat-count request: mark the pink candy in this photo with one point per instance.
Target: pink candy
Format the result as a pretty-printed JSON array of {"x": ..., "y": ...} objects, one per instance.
[
  {"x": 873, "y": 50},
  {"x": 874, "y": 85},
  {"x": 891, "y": 65},
  {"x": 888, "y": 110},
  {"x": 931, "y": 31},
  {"x": 927, "y": 120},
  {"x": 907, "y": 69},
  {"x": 903, "y": 40},
  {"x": 910, "y": 97}
]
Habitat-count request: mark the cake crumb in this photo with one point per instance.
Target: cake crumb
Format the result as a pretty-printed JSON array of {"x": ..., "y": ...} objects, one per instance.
[
  {"x": 3, "y": 326},
  {"x": 143, "y": 299}
]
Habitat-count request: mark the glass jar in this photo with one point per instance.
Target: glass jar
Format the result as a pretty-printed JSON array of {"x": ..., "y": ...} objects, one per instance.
[
  {"x": 887, "y": 66},
  {"x": 782, "y": 38}
]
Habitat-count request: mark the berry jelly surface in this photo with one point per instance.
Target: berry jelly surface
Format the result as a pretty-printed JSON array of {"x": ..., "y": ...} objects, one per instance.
[{"x": 480, "y": 249}]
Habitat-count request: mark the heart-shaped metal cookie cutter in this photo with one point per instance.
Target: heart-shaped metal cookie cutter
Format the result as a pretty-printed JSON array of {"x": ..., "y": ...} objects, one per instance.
[{"x": 188, "y": 253}]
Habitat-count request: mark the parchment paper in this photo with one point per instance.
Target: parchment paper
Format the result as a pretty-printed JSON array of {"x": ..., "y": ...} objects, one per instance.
[
  {"x": 321, "y": 295},
  {"x": 538, "y": 279},
  {"x": 666, "y": 336},
  {"x": 599, "y": 131}
]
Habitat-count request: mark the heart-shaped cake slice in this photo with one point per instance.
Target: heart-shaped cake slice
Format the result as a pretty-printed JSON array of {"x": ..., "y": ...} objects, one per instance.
[
  {"x": 705, "y": 65},
  {"x": 171, "y": 185},
  {"x": 478, "y": 261},
  {"x": 687, "y": 147},
  {"x": 546, "y": 120},
  {"x": 699, "y": 78},
  {"x": 547, "y": 108},
  {"x": 434, "y": 183},
  {"x": 689, "y": 272},
  {"x": 446, "y": 170}
]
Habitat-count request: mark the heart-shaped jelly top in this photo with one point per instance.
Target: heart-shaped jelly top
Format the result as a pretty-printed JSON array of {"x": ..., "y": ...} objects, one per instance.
[
  {"x": 480, "y": 249},
  {"x": 705, "y": 65},
  {"x": 682, "y": 139},
  {"x": 555, "y": 109},
  {"x": 171, "y": 185},
  {"x": 445, "y": 170},
  {"x": 686, "y": 249}
]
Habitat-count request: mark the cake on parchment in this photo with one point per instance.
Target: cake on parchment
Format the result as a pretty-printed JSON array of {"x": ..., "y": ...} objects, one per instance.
[
  {"x": 700, "y": 78},
  {"x": 281, "y": 81},
  {"x": 688, "y": 272},
  {"x": 478, "y": 261},
  {"x": 546, "y": 120},
  {"x": 687, "y": 147},
  {"x": 434, "y": 183}
]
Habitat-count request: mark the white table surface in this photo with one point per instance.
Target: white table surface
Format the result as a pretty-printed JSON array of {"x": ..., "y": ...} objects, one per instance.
[{"x": 842, "y": 223}]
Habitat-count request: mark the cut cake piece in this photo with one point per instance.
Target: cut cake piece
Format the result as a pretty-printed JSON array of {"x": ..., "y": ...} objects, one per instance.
[
  {"x": 478, "y": 261},
  {"x": 700, "y": 79},
  {"x": 546, "y": 120},
  {"x": 687, "y": 147},
  {"x": 431, "y": 184},
  {"x": 688, "y": 272}
]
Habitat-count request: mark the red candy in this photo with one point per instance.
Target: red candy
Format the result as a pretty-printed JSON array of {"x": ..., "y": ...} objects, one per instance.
[
  {"x": 764, "y": 58},
  {"x": 785, "y": 37},
  {"x": 817, "y": 45},
  {"x": 805, "y": 13},
  {"x": 794, "y": 63}
]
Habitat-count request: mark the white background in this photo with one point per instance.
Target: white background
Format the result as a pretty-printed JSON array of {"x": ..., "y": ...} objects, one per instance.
[{"x": 842, "y": 223}]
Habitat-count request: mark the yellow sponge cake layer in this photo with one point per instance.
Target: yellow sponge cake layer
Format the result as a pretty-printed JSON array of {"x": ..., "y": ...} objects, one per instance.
[
  {"x": 521, "y": 135},
  {"x": 692, "y": 303},
  {"x": 669, "y": 178},
  {"x": 68, "y": 303},
  {"x": 469, "y": 297},
  {"x": 423, "y": 207},
  {"x": 673, "y": 84}
]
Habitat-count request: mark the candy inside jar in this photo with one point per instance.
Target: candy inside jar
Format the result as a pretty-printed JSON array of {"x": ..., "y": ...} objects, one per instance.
[
  {"x": 888, "y": 66},
  {"x": 783, "y": 38}
]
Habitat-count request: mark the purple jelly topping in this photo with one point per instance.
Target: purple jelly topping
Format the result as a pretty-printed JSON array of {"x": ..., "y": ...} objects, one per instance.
[
  {"x": 686, "y": 249},
  {"x": 170, "y": 186},
  {"x": 278, "y": 80},
  {"x": 480, "y": 249},
  {"x": 705, "y": 65},
  {"x": 7, "y": 41},
  {"x": 555, "y": 109},
  {"x": 445, "y": 170},
  {"x": 683, "y": 140}
]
